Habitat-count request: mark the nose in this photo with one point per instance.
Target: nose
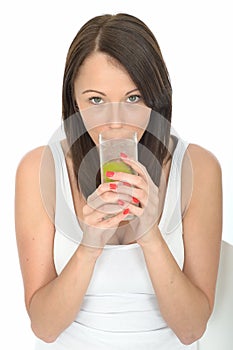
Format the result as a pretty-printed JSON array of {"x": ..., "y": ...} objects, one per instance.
[{"x": 115, "y": 116}]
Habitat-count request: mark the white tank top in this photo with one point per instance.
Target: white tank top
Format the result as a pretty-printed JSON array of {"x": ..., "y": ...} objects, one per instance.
[{"x": 120, "y": 308}]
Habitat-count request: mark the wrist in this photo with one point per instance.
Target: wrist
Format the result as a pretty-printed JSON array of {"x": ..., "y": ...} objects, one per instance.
[
  {"x": 89, "y": 253},
  {"x": 151, "y": 238}
]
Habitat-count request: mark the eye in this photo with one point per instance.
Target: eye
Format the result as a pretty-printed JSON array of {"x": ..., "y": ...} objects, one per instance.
[
  {"x": 133, "y": 98},
  {"x": 96, "y": 100}
]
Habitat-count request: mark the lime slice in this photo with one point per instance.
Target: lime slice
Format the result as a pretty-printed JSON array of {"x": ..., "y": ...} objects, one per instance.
[{"x": 116, "y": 165}]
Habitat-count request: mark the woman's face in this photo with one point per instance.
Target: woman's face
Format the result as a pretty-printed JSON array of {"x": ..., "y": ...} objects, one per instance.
[{"x": 100, "y": 83}]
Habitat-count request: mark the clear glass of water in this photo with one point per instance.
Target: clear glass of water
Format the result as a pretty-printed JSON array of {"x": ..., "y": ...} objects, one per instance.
[{"x": 112, "y": 143}]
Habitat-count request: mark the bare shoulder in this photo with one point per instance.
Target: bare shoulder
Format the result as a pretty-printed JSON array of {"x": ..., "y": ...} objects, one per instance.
[
  {"x": 31, "y": 159},
  {"x": 201, "y": 175},
  {"x": 203, "y": 161},
  {"x": 30, "y": 162},
  {"x": 35, "y": 179}
]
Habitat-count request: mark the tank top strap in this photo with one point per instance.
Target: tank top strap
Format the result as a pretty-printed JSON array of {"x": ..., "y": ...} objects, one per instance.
[
  {"x": 172, "y": 211},
  {"x": 62, "y": 179},
  {"x": 65, "y": 217}
]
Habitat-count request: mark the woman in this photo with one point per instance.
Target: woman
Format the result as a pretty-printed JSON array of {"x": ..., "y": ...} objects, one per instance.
[{"x": 97, "y": 282}]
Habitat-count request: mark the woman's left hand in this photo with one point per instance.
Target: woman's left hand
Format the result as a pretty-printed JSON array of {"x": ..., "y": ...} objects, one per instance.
[{"x": 145, "y": 201}]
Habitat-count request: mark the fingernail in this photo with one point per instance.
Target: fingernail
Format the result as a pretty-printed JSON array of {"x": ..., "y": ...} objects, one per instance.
[
  {"x": 113, "y": 186},
  {"x": 126, "y": 184},
  {"x": 135, "y": 200},
  {"x": 109, "y": 173},
  {"x": 120, "y": 202},
  {"x": 126, "y": 211},
  {"x": 123, "y": 155}
]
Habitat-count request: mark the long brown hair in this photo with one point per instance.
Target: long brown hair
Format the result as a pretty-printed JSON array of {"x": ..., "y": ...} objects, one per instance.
[{"x": 128, "y": 40}]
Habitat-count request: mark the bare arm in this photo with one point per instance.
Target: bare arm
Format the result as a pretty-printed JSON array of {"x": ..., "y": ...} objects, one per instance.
[
  {"x": 186, "y": 297},
  {"x": 52, "y": 301}
]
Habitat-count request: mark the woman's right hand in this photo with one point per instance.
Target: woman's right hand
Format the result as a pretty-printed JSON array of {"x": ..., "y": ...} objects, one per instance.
[{"x": 104, "y": 210}]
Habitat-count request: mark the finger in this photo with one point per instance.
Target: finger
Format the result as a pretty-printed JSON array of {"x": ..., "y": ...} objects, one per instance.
[
  {"x": 111, "y": 209},
  {"x": 107, "y": 203},
  {"x": 87, "y": 210},
  {"x": 135, "y": 210},
  {"x": 108, "y": 196},
  {"x": 137, "y": 166},
  {"x": 134, "y": 180},
  {"x": 115, "y": 220},
  {"x": 102, "y": 188},
  {"x": 100, "y": 220},
  {"x": 137, "y": 195}
]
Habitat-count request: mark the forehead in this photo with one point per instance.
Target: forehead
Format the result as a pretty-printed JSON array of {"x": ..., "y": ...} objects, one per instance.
[{"x": 100, "y": 69}]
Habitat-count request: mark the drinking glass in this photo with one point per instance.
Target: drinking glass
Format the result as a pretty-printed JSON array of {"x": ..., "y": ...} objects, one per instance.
[{"x": 112, "y": 143}]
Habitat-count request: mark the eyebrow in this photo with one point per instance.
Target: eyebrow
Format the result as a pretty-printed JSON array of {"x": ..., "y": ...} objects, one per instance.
[
  {"x": 98, "y": 92},
  {"x": 103, "y": 94}
]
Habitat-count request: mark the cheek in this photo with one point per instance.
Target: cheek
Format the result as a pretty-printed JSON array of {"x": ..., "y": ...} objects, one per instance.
[
  {"x": 94, "y": 134},
  {"x": 139, "y": 132}
]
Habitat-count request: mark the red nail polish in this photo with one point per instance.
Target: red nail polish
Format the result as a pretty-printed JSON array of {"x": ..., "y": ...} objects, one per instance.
[
  {"x": 123, "y": 155},
  {"x": 120, "y": 202},
  {"x": 126, "y": 184},
  {"x": 109, "y": 173},
  {"x": 135, "y": 200},
  {"x": 126, "y": 211},
  {"x": 113, "y": 186}
]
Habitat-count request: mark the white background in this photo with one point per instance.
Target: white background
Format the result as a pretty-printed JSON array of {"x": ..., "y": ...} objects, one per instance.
[{"x": 196, "y": 41}]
